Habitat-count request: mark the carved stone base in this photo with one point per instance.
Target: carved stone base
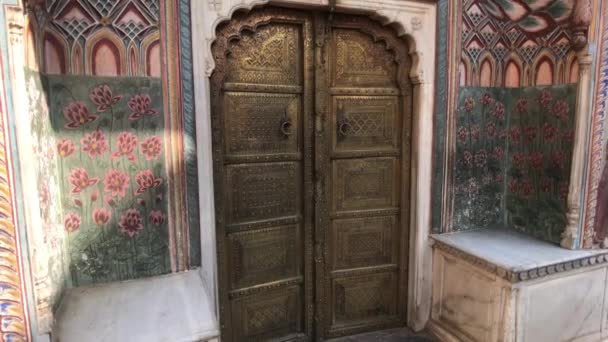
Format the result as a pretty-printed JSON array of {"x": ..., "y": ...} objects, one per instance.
[{"x": 503, "y": 292}]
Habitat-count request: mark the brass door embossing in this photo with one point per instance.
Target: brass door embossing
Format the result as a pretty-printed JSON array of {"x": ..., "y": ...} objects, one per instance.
[{"x": 311, "y": 147}]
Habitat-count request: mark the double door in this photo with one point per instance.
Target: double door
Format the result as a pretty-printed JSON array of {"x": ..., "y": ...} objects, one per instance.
[{"x": 311, "y": 131}]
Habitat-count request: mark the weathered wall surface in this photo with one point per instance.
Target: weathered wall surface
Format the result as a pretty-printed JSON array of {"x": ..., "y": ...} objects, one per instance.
[{"x": 513, "y": 153}]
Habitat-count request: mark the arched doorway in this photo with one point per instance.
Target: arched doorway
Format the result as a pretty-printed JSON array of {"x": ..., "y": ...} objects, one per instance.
[{"x": 311, "y": 127}]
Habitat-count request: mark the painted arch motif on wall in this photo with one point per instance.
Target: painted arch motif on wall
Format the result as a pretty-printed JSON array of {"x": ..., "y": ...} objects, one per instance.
[
  {"x": 515, "y": 35},
  {"x": 93, "y": 37}
]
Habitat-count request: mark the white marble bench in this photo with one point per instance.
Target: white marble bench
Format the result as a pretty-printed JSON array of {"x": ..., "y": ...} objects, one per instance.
[
  {"x": 172, "y": 308},
  {"x": 500, "y": 285}
]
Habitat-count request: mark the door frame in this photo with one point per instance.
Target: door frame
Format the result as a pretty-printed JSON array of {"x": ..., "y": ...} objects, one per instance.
[{"x": 414, "y": 21}]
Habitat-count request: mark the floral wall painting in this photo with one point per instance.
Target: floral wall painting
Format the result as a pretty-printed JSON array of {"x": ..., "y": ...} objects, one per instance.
[
  {"x": 113, "y": 176},
  {"x": 513, "y": 155},
  {"x": 601, "y": 216}
]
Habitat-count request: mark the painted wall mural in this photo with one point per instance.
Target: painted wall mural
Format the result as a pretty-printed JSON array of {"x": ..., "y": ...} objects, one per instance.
[
  {"x": 513, "y": 156},
  {"x": 40, "y": 174},
  {"x": 113, "y": 177},
  {"x": 517, "y": 43},
  {"x": 535, "y": 16},
  {"x": 95, "y": 37}
]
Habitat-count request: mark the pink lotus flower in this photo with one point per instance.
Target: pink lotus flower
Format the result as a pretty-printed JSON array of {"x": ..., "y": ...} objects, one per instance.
[
  {"x": 101, "y": 216},
  {"x": 116, "y": 183},
  {"x": 72, "y": 222},
  {"x": 514, "y": 134},
  {"x": 146, "y": 180},
  {"x": 498, "y": 153},
  {"x": 536, "y": 160},
  {"x": 467, "y": 159},
  {"x": 463, "y": 133},
  {"x": 545, "y": 98},
  {"x": 499, "y": 111},
  {"x": 522, "y": 106},
  {"x": 157, "y": 217},
  {"x": 127, "y": 142},
  {"x": 151, "y": 148},
  {"x": 549, "y": 132},
  {"x": 519, "y": 160},
  {"x": 102, "y": 96},
  {"x": 77, "y": 114},
  {"x": 94, "y": 144},
  {"x": 486, "y": 99},
  {"x": 65, "y": 147},
  {"x": 527, "y": 188},
  {"x": 79, "y": 179},
  {"x": 513, "y": 186},
  {"x": 491, "y": 130},
  {"x": 131, "y": 222},
  {"x": 469, "y": 104},
  {"x": 561, "y": 109},
  {"x": 94, "y": 196},
  {"x": 140, "y": 106},
  {"x": 530, "y": 133},
  {"x": 481, "y": 158}
]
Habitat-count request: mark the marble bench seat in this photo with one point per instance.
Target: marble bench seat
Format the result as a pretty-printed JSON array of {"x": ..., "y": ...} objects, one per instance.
[
  {"x": 167, "y": 308},
  {"x": 501, "y": 285}
]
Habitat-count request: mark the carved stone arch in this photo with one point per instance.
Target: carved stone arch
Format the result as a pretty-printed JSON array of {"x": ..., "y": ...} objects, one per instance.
[
  {"x": 545, "y": 59},
  {"x": 464, "y": 70},
  {"x": 105, "y": 36},
  {"x": 513, "y": 60},
  {"x": 410, "y": 31},
  {"x": 32, "y": 50},
  {"x": 487, "y": 64},
  {"x": 55, "y": 47},
  {"x": 571, "y": 68},
  {"x": 150, "y": 54}
]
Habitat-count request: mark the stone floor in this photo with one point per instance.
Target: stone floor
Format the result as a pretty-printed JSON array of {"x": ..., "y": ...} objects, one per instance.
[{"x": 393, "y": 335}]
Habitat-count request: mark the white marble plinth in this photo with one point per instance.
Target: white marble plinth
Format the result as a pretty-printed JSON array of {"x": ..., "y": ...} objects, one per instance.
[
  {"x": 497, "y": 285},
  {"x": 167, "y": 308}
]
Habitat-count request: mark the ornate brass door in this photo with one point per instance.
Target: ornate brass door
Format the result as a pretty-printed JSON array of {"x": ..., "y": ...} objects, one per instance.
[{"x": 311, "y": 169}]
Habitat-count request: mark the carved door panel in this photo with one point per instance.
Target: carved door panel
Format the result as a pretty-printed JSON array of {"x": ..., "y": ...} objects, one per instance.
[
  {"x": 365, "y": 165},
  {"x": 311, "y": 168},
  {"x": 262, "y": 125}
]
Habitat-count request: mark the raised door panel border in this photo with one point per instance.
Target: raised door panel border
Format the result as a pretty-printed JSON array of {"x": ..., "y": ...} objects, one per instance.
[
  {"x": 365, "y": 184},
  {"x": 366, "y": 125},
  {"x": 263, "y": 193},
  {"x": 270, "y": 55},
  {"x": 264, "y": 256},
  {"x": 262, "y": 126},
  {"x": 363, "y": 302},
  {"x": 360, "y": 61},
  {"x": 268, "y": 315},
  {"x": 363, "y": 242}
]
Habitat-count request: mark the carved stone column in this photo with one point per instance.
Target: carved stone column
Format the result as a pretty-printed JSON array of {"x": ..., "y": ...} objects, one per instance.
[
  {"x": 571, "y": 233},
  {"x": 11, "y": 262},
  {"x": 581, "y": 18}
]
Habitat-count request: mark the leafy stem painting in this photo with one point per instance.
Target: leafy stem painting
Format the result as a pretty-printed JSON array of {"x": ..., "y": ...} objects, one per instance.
[
  {"x": 110, "y": 151},
  {"x": 513, "y": 155}
]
